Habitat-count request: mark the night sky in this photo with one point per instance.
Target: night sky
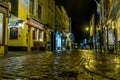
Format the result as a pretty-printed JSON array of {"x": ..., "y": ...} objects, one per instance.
[{"x": 80, "y": 12}]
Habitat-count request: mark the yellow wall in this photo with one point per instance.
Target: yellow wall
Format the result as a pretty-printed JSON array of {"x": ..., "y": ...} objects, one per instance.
[
  {"x": 118, "y": 25},
  {"x": 44, "y": 14},
  {"x": 65, "y": 19},
  {"x": 51, "y": 12},
  {"x": 91, "y": 31},
  {"x": 23, "y": 9},
  {"x": 48, "y": 11},
  {"x": 24, "y": 35},
  {"x": 6, "y": 34},
  {"x": 15, "y": 42},
  {"x": 21, "y": 41},
  {"x": 58, "y": 18},
  {"x": 25, "y": 38},
  {"x": 67, "y": 24},
  {"x": 2, "y": 50}
]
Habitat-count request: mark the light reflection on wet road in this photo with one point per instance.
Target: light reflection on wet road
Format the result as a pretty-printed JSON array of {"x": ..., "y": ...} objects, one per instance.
[
  {"x": 105, "y": 64},
  {"x": 60, "y": 66}
]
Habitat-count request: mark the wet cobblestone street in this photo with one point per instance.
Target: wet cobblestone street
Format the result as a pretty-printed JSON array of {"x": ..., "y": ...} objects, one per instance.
[
  {"x": 49, "y": 66},
  {"x": 43, "y": 66}
]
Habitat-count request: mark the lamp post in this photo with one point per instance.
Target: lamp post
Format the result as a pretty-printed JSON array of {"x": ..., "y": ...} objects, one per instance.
[
  {"x": 87, "y": 29},
  {"x": 87, "y": 32}
]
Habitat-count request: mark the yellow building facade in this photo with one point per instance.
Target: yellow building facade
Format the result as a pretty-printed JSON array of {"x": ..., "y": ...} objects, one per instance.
[
  {"x": 58, "y": 18},
  {"x": 65, "y": 19},
  {"x": 32, "y": 24},
  {"x": 26, "y": 30},
  {"x": 4, "y": 8},
  {"x": 50, "y": 25},
  {"x": 66, "y": 42}
]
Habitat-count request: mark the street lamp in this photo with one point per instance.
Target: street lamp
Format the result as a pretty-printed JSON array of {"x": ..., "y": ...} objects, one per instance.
[{"x": 87, "y": 29}]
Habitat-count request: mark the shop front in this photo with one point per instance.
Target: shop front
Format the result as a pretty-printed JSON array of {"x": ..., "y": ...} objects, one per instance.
[
  {"x": 58, "y": 41},
  {"x": 35, "y": 35},
  {"x": 3, "y": 27},
  {"x": 111, "y": 35},
  {"x": 69, "y": 41}
]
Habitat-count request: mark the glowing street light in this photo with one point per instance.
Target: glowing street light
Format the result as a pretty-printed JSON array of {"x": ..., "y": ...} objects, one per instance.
[{"x": 87, "y": 29}]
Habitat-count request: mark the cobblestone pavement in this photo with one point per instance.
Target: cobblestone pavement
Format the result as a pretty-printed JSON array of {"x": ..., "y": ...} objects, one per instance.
[
  {"x": 104, "y": 64},
  {"x": 50, "y": 66}
]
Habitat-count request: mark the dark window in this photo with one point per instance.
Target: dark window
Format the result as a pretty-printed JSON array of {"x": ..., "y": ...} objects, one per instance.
[
  {"x": 39, "y": 11},
  {"x": 13, "y": 33},
  {"x": 33, "y": 35},
  {"x": 32, "y": 6},
  {"x": 14, "y": 7}
]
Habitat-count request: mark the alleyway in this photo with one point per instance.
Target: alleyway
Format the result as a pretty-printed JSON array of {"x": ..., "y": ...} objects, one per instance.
[{"x": 77, "y": 65}]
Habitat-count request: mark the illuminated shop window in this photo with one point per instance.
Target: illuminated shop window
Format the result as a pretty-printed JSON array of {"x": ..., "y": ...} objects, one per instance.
[
  {"x": 1, "y": 28},
  {"x": 13, "y": 33},
  {"x": 41, "y": 35},
  {"x": 34, "y": 33},
  {"x": 58, "y": 41}
]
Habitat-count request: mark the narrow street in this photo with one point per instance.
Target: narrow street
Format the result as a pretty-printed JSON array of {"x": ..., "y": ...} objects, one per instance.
[{"x": 77, "y": 65}]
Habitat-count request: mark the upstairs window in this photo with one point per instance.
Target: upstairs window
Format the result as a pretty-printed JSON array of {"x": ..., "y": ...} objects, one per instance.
[
  {"x": 32, "y": 6},
  {"x": 39, "y": 11}
]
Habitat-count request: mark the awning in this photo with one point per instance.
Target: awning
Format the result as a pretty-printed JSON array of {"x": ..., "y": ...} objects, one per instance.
[{"x": 35, "y": 24}]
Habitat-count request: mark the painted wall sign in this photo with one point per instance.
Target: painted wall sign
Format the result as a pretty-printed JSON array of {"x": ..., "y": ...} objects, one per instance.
[
  {"x": 13, "y": 33},
  {"x": 35, "y": 24}
]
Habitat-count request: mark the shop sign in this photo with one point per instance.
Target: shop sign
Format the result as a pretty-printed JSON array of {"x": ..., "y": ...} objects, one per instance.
[{"x": 35, "y": 24}]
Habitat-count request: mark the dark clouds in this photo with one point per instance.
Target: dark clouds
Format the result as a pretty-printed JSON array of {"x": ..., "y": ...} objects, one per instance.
[{"x": 80, "y": 12}]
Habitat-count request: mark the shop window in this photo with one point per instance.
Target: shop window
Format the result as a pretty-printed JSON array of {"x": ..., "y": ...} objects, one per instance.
[
  {"x": 13, "y": 33},
  {"x": 33, "y": 35},
  {"x": 58, "y": 41},
  {"x": 39, "y": 35},
  {"x": 1, "y": 28}
]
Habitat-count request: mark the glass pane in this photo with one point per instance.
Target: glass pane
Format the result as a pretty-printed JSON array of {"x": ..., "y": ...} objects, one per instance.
[
  {"x": 1, "y": 28},
  {"x": 13, "y": 33}
]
